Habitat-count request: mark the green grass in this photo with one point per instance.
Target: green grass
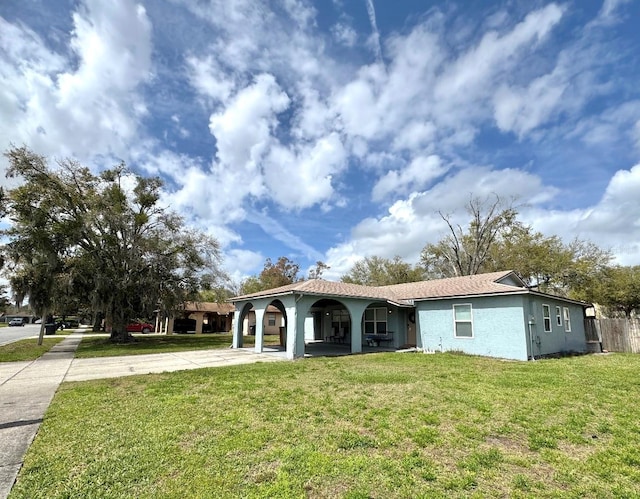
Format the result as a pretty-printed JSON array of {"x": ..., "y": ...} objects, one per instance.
[
  {"x": 26, "y": 349},
  {"x": 382, "y": 426},
  {"x": 101, "y": 346}
]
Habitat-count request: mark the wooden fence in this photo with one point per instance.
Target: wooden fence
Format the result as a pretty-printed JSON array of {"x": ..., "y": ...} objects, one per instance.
[{"x": 615, "y": 335}]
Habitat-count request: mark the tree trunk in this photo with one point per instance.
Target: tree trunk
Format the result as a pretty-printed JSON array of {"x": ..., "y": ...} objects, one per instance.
[
  {"x": 97, "y": 322},
  {"x": 44, "y": 316},
  {"x": 119, "y": 332}
]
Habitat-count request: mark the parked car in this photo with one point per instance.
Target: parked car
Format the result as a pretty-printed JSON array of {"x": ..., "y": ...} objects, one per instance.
[
  {"x": 16, "y": 321},
  {"x": 140, "y": 327}
]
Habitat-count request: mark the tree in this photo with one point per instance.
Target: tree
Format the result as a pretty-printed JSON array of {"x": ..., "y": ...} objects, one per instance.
[
  {"x": 465, "y": 252},
  {"x": 273, "y": 275},
  {"x": 316, "y": 273},
  {"x": 4, "y": 299},
  {"x": 101, "y": 242},
  {"x": 378, "y": 271},
  {"x": 496, "y": 240},
  {"x": 616, "y": 288}
]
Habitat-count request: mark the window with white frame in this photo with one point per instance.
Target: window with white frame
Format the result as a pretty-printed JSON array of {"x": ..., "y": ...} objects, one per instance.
[
  {"x": 567, "y": 319},
  {"x": 271, "y": 318},
  {"x": 546, "y": 318},
  {"x": 463, "y": 321},
  {"x": 375, "y": 320},
  {"x": 558, "y": 316}
]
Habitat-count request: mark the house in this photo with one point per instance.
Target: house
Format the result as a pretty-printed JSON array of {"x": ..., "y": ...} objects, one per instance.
[
  {"x": 493, "y": 314},
  {"x": 204, "y": 317},
  {"x": 273, "y": 320}
]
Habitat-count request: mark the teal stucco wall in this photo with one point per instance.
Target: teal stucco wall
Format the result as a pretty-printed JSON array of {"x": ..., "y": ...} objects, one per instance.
[
  {"x": 557, "y": 340},
  {"x": 509, "y": 327},
  {"x": 499, "y": 326}
]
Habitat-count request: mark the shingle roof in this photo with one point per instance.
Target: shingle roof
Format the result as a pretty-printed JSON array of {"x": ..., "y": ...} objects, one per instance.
[
  {"x": 220, "y": 308},
  {"x": 479, "y": 284},
  {"x": 402, "y": 294}
]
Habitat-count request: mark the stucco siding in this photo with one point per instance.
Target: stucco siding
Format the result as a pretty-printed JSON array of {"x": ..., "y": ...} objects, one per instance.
[
  {"x": 498, "y": 326},
  {"x": 557, "y": 340}
]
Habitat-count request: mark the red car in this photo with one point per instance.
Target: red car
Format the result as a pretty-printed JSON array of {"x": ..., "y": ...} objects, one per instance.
[{"x": 140, "y": 327}]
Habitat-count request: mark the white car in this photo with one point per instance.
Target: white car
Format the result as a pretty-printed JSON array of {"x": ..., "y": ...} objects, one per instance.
[{"x": 16, "y": 321}]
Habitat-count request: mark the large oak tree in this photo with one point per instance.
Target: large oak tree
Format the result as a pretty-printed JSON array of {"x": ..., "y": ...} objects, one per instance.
[{"x": 103, "y": 240}]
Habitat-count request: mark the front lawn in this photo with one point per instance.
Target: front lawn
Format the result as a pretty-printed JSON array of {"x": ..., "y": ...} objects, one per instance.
[
  {"x": 101, "y": 346},
  {"x": 26, "y": 349},
  {"x": 381, "y": 425}
]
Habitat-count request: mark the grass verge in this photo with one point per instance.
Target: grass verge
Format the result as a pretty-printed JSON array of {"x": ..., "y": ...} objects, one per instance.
[
  {"x": 382, "y": 425},
  {"x": 26, "y": 349},
  {"x": 101, "y": 346}
]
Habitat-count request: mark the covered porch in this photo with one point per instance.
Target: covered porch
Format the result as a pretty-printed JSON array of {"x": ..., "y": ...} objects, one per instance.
[{"x": 328, "y": 324}]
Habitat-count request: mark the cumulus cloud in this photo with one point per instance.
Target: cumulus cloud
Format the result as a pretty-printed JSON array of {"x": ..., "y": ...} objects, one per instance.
[
  {"x": 417, "y": 174},
  {"x": 243, "y": 130},
  {"x": 83, "y": 103},
  {"x": 310, "y": 168}
]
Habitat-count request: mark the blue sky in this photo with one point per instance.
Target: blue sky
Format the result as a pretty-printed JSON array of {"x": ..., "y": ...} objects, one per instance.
[{"x": 337, "y": 129}]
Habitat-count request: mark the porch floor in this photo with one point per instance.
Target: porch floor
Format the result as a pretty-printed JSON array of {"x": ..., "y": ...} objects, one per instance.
[{"x": 326, "y": 349}]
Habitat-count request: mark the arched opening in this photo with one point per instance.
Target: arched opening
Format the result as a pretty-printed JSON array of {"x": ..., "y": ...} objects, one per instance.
[
  {"x": 244, "y": 322},
  {"x": 274, "y": 325},
  {"x": 328, "y": 328}
]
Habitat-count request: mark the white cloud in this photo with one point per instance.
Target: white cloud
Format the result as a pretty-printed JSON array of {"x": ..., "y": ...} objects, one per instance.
[
  {"x": 609, "y": 13},
  {"x": 241, "y": 263},
  {"x": 243, "y": 129},
  {"x": 417, "y": 174},
  {"x": 208, "y": 78},
  {"x": 474, "y": 69},
  {"x": 310, "y": 168},
  {"x": 612, "y": 223},
  {"x": 344, "y": 34},
  {"x": 415, "y": 136},
  {"x": 522, "y": 110},
  {"x": 78, "y": 108},
  {"x": 413, "y": 222}
]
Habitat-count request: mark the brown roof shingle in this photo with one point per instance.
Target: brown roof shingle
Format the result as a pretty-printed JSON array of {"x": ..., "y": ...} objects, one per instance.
[{"x": 479, "y": 284}]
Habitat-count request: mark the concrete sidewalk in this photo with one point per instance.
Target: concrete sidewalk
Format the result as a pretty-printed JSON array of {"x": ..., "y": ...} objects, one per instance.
[{"x": 27, "y": 388}]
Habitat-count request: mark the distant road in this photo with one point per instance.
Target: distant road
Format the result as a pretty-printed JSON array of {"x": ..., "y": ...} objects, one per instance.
[{"x": 11, "y": 334}]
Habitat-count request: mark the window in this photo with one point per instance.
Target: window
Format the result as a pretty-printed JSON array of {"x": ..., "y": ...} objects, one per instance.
[
  {"x": 463, "y": 326},
  {"x": 567, "y": 320},
  {"x": 546, "y": 315},
  {"x": 272, "y": 319},
  {"x": 558, "y": 317},
  {"x": 375, "y": 320},
  {"x": 340, "y": 323}
]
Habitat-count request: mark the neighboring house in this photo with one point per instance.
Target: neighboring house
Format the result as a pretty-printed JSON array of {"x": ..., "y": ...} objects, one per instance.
[
  {"x": 273, "y": 320},
  {"x": 491, "y": 314},
  {"x": 208, "y": 317}
]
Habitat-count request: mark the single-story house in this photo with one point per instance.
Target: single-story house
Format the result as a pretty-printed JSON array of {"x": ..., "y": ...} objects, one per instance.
[
  {"x": 273, "y": 320},
  {"x": 493, "y": 314},
  {"x": 206, "y": 316}
]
